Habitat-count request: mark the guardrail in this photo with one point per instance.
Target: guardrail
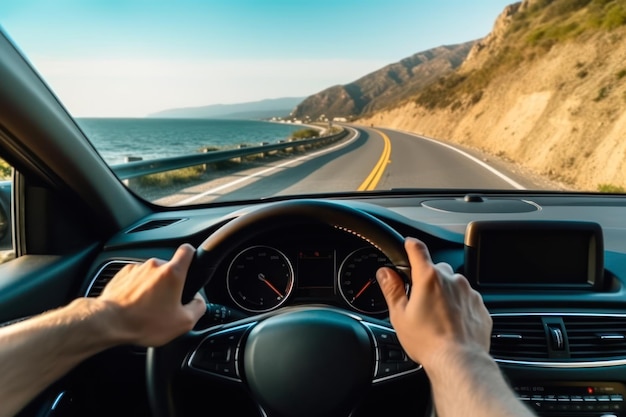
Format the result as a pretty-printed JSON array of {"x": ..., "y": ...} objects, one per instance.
[{"x": 136, "y": 169}]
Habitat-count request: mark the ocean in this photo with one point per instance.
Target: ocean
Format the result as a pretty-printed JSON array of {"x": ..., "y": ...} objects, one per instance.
[{"x": 119, "y": 138}]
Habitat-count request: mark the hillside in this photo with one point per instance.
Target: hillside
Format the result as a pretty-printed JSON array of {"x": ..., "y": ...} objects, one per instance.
[
  {"x": 263, "y": 109},
  {"x": 546, "y": 90},
  {"x": 384, "y": 87}
]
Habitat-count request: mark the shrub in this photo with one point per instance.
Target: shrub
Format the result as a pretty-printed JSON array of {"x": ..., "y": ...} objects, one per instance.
[
  {"x": 611, "y": 188},
  {"x": 179, "y": 176},
  {"x": 602, "y": 94},
  {"x": 442, "y": 93},
  {"x": 560, "y": 8},
  {"x": 615, "y": 17},
  {"x": 5, "y": 170},
  {"x": 305, "y": 133},
  {"x": 536, "y": 36}
]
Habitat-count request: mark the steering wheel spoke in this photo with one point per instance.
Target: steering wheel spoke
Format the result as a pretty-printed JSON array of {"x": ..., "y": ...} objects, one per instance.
[
  {"x": 218, "y": 354},
  {"x": 391, "y": 360}
]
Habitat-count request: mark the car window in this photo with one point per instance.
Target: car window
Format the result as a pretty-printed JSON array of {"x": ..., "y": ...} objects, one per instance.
[
  {"x": 7, "y": 251},
  {"x": 201, "y": 102}
]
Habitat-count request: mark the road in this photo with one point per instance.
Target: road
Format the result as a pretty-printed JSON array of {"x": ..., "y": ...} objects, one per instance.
[{"x": 369, "y": 159}]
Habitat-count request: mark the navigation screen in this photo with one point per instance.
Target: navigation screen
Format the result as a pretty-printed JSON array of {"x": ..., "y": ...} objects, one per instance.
[
  {"x": 534, "y": 254},
  {"x": 560, "y": 259}
]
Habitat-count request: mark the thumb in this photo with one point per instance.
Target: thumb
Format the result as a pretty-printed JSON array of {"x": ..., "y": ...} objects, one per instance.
[
  {"x": 196, "y": 307},
  {"x": 392, "y": 287}
]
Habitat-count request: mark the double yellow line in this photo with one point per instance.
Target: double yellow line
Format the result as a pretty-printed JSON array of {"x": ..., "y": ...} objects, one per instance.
[{"x": 374, "y": 177}]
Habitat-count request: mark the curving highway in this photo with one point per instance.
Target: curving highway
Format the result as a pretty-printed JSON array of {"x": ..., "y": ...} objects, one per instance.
[
  {"x": 419, "y": 162},
  {"x": 368, "y": 159}
]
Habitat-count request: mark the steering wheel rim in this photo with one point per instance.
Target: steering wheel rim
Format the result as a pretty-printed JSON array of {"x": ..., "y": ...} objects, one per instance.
[{"x": 362, "y": 333}]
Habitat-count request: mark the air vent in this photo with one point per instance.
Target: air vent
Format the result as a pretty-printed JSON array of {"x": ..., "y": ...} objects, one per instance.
[
  {"x": 518, "y": 338},
  {"x": 560, "y": 340},
  {"x": 596, "y": 337},
  {"x": 154, "y": 224},
  {"x": 104, "y": 275}
]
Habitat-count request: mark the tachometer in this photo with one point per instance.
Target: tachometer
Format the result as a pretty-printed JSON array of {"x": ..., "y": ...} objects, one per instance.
[
  {"x": 357, "y": 280},
  {"x": 260, "y": 278}
]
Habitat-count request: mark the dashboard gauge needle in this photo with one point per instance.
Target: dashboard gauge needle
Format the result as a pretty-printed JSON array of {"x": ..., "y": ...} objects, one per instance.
[
  {"x": 366, "y": 286},
  {"x": 269, "y": 284}
]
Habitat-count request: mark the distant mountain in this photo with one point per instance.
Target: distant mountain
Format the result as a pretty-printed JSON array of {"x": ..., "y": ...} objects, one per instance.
[
  {"x": 386, "y": 86},
  {"x": 263, "y": 109}
]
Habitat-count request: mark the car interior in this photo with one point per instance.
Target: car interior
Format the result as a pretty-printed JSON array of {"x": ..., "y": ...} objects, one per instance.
[{"x": 550, "y": 266}]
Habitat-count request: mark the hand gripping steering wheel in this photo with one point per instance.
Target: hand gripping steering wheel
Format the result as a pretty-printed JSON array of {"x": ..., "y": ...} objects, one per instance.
[{"x": 296, "y": 361}]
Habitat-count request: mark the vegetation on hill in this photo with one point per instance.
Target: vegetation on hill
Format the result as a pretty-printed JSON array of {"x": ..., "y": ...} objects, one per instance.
[{"x": 532, "y": 32}]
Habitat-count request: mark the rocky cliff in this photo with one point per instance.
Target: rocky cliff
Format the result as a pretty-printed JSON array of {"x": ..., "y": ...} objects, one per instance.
[{"x": 546, "y": 90}]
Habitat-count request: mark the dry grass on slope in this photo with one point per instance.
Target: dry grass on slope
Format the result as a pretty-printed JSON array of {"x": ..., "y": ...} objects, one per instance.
[{"x": 555, "y": 107}]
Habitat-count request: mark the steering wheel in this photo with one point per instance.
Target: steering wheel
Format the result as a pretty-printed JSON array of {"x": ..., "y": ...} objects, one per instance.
[{"x": 296, "y": 361}]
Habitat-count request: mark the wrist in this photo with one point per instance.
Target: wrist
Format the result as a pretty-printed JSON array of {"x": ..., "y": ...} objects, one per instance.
[
  {"x": 100, "y": 321},
  {"x": 459, "y": 359}
]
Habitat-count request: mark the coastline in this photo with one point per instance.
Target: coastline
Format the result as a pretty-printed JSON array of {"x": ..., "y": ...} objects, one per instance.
[{"x": 150, "y": 138}]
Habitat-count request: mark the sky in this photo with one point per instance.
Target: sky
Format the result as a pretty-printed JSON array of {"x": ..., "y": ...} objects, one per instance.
[{"x": 130, "y": 58}]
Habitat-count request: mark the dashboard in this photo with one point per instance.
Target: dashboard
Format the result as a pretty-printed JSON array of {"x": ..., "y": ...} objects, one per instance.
[{"x": 561, "y": 342}]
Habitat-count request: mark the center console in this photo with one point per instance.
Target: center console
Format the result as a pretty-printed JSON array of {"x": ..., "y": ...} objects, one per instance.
[{"x": 574, "y": 399}]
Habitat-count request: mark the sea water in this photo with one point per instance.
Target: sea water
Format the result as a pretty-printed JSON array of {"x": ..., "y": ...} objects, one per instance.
[{"x": 120, "y": 138}]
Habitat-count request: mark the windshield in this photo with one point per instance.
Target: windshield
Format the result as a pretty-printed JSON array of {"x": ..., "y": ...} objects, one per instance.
[{"x": 196, "y": 102}]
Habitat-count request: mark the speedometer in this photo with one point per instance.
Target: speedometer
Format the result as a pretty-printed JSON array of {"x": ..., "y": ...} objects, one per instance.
[
  {"x": 357, "y": 280},
  {"x": 260, "y": 278}
]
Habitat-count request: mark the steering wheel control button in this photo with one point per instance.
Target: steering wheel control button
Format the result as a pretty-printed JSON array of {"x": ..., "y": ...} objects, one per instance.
[
  {"x": 218, "y": 353},
  {"x": 391, "y": 360}
]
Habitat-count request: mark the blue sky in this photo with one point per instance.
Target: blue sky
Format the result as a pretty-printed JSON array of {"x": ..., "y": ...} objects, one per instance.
[{"x": 111, "y": 58}]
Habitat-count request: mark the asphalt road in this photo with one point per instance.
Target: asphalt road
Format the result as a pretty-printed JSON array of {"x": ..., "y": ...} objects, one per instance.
[
  {"x": 418, "y": 162},
  {"x": 369, "y": 159}
]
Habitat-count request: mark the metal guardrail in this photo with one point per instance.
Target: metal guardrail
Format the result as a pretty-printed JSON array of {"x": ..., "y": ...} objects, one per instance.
[{"x": 136, "y": 169}]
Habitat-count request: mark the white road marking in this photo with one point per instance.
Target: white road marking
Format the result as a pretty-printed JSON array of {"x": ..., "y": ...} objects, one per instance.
[
  {"x": 494, "y": 171},
  {"x": 270, "y": 169}
]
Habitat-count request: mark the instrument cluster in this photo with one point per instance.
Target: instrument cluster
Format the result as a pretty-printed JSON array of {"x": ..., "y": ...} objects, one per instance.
[{"x": 267, "y": 274}]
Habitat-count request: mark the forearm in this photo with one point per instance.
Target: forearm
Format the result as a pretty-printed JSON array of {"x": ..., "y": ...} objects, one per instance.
[
  {"x": 471, "y": 384},
  {"x": 38, "y": 351}
]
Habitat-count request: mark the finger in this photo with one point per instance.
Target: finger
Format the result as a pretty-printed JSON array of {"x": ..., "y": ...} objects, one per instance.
[
  {"x": 445, "y": 268},
  {"x": 197, "y": 307},
  {"x": 418, "y": 254},
  {"x": 127, "y": 269},
  {"x": 181, "y": 260},
  {"x": 462, "y": 282},
  {"x": 419, "y": 258},
  {"x": 392, "y": 287}
]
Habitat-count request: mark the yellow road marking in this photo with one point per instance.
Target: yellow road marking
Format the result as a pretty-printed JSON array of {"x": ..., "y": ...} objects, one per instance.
[{"x": 374, "y": 177}]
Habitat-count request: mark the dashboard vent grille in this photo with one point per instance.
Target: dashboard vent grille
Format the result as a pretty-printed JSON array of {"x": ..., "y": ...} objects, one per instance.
[
  {"x": 154, "y": 224},
  {"x": 559, "y": 338},
  {"x": 104, "y": 275},
  {"x": 596, "y": 337},
  {"x": 518, "y": 338}
]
